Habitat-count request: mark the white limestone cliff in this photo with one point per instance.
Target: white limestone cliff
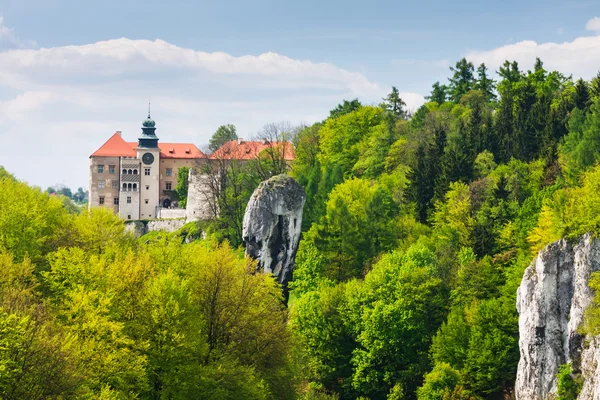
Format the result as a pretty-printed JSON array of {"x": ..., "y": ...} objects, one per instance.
[
  {"x": 551, "y": 302},
  {"x": 272, "y": 226}
]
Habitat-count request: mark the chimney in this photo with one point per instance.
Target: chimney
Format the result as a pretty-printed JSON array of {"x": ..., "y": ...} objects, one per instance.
[
  {"x": 240, "y": 140},
  {"x": 118, "y": 133}
]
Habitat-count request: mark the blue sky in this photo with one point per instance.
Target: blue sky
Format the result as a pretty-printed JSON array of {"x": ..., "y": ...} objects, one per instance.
[{"x": 73, "y": 72}]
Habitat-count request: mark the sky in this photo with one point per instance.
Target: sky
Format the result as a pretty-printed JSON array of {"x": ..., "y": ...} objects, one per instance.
[{"x": 74, "y": 72}]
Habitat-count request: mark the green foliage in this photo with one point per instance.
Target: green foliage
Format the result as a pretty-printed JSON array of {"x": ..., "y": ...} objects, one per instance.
[
  {"x": 568, "y": 385},
  {"x": 579, "y": 150},
  {"x": 183, "y": 174},
  {"x": 462, "y": 81},
  {"x": 394, "y": 315},
  {"x": 360, "y": 223},
  {"x": 345, "y": 107},
  {"x": 394, "y": 104},
  {"x": 32, "y": 223},
  {"x": 415, "y": 236},
  {"x": 439, "y": 383},
  {"x": 222, "y": 135}
]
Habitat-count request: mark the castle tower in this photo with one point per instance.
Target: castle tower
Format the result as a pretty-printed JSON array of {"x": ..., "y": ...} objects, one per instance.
[{"x": 149, "y": 154}]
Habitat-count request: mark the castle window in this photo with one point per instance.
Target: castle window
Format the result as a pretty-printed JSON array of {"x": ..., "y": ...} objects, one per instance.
[
  {"x": 124, "y": 186},
  {"x": 124, "y": 172},
  {"x": 135, "y": 171},
  {"x": 115, "y": 184},
  {"x": 135, "y": 187},
  {"x": 130, "y": 172},
  {"x": 100, "y": 168},
  {"x": 129, "y": 187},
  {"x": 111, "y": 169},
  {"x": 167, "y": 185},
  {"x": 169, "y": 172},
  {"x": 128, "y": 199},
  {"x": 146, "y": 201},
  {"x": 146, "y": 171},
  {"x": 129, "y": 217},
  {"x": 147, "y": 187},
  {"x": 100, "y": 184},
  {"x": 101, "y": 200},
  {"x": 116, "y": 201}
]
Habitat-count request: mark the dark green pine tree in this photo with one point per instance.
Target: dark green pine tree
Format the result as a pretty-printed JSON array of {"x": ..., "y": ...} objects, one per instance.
[
  {"x": 439, "y": 93},
  {"x": 312, "y": 211},
  {"x": 422, "y": 187},
  {"x": 504, "y": 127},
  {"x": 346, "y": 107},
  {"x": 526, "y": 139},
  {"x": 595, "y": 86},
  {"x": 486, "y": 85},
  {"x": 582, "y": 95},
  {"x": 394, "y": 103},
  {"x": 462, "y": 80},
  {"x": 510, "y": 72}
]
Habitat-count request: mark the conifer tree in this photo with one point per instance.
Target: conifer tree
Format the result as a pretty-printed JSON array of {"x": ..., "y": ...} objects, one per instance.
[
  {"x": 486, "y": 85},
  {"x": 582, "y": 95},
  {"x": 462, "y": 80},
  {"x": 439, "y": 93},
  {"x": 394, "y": 103}
]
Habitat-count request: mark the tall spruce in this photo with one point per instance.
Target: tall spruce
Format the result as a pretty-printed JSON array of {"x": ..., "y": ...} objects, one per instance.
[
  {"x": 582, "y": 95},
  {"x": 439, "y": 93},
  {"x": 486, "y": 85},
  {"x": 394, "y": 103},
  {"x": 462, "y": 80}
]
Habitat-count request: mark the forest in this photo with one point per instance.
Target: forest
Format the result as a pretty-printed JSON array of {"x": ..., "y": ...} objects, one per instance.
[{"x": 417, "y": 229}]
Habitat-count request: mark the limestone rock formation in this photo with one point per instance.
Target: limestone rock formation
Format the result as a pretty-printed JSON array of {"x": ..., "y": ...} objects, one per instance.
[
  {"x": 551, "y": 301},
  {"x": 272, "y": 225}
]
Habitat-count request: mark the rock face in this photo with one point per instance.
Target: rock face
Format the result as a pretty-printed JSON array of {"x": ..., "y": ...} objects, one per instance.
[
  {"x": 272, "y": 225},
  {"x": 551, "y": 302}
]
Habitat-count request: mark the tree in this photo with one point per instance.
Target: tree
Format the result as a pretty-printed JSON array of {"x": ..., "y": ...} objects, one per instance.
[
  {"x": 223, "y": 134},
  {"x": 345, "y": 107},
  {"x": 183, "y": 174},
  {"x": 395, "y": 313},
  {"x": 318, "y": 320},
  {"x": 462, "y": 80},
  {"x": 439, "y": 93},
  {"x": 582, "y": 95},
  {"x": 485, "y": 84},
  {"x": 394, "y": 104},
  {"x": 595, "y": 86},
  {"x": 358, "y": 225}
]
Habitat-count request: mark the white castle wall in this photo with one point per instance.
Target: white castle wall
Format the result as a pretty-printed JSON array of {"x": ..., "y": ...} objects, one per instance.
[{"x": 200, "y": 198}]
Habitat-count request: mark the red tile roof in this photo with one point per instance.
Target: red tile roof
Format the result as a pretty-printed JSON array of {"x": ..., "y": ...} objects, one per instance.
[
  {"x": 176, "y": 150},
  {"x": 114, "y": 147},
  {"x": 235, "y": 149},
  {"x": 247, "y": 150}
]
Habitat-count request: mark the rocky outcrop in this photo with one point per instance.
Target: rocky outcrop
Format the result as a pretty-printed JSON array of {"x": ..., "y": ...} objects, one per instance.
[
  {"x": 551, "y": 302},
  {"x": 272, "y": 225}
]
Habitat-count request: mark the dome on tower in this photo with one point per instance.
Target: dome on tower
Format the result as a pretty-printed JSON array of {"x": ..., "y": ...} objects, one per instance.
[{"x": 148, "y": 122}]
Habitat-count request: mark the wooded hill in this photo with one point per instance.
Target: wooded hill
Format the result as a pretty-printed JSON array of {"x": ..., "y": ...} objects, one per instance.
[{"x": 416, "y": 232}]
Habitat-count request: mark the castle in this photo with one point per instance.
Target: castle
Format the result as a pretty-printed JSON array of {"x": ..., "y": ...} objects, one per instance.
[{"x": 137, "y": 180}]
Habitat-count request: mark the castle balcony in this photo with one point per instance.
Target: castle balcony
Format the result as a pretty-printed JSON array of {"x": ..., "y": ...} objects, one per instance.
[
  {"x": 130, "y": 178},
  {"x": 130, "y": 165}
]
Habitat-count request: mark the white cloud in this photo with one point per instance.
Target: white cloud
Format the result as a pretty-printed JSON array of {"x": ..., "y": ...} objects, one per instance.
[
  {"x": 580, "y": 57},
  {"x": 58, "y": 105},
  {"x": 9, "y": 39},
  {"x": 593, "y": 24}
]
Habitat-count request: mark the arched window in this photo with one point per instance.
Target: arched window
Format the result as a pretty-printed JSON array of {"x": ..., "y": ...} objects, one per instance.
[
  {"x": 135, "y": 186},
  {"x": 124, "y": 186},
  {"x": 130, "y": 172},
  {"x": 129, "y": 187},
  {"x": 124, "y": 172},
  {"x": 135, "y": 171}
]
